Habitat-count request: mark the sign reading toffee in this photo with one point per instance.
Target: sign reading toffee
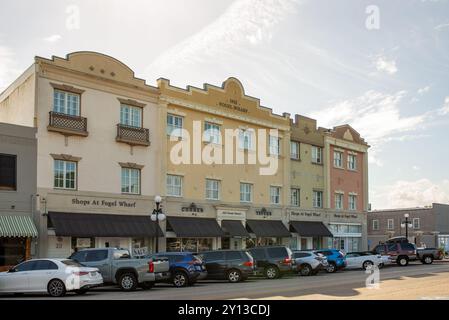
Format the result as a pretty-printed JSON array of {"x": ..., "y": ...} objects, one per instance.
[
  {"x": 263, "y": 212},
  {"x": 233, "y": 105}
]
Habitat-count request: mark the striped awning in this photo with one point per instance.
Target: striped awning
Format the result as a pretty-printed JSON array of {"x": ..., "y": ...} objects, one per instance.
[{"x": 17, "y": 226}]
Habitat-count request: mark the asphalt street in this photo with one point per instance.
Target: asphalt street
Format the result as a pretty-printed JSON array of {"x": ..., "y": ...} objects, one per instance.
[{"x": 415, "y": 281}]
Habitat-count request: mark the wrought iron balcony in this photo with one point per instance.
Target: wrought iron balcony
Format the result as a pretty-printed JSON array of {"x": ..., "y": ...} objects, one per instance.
[
  {"x": 133, "y": 135},
  {"x": 67, "y": 124}
]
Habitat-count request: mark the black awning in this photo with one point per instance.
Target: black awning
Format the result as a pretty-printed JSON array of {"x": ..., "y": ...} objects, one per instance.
[
  {"x": 102, "y": 225},
  {"x": 234, "y": 228},
  {"x": 268, "y": 228},
  {"x": 195, "y": 227},
  {"x": 311, "y": 229}
]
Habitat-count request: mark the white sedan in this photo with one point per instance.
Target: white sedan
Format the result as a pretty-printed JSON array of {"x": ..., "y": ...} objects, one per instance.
[
  {"x": 55, "y": 276},
  {"x": 362, "y": 260}
]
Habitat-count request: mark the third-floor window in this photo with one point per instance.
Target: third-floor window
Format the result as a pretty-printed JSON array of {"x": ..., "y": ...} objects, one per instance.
[
  {"x": 174, "y": 125},
  {"x": 294, "y": 150},
  {"x": 130, "y": 116},
  {"x": 66, "y": 103},
  {"x": 352, "y": 162},
  {"x": 317, "y": 154},
  {"x": 338, "y": 159},
  {"x": 212, "y": 132}
]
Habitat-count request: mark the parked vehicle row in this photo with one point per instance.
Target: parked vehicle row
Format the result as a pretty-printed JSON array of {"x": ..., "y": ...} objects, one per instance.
[{"x": 88, "y": 268}]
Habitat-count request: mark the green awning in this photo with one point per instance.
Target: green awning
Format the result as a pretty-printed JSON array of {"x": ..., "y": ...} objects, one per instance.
[{"x": 17, "y": 226}]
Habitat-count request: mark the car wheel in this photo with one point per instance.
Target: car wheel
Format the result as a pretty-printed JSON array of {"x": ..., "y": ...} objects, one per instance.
[
  {"x": 271, "y": 272},
  {"x": 81, "y": 291},
  {"x": 305, "y": 270},
  {"x": 147, "y": 285},
  {"x": 331, "y": 268},
  {"x": 402, "y": 261},
  {"x": 56, "y": 288},
  {"x": 127, "y": 282},
  {"x": 427, "y": 260},
  {"x": 367, "y": 264},
  {"x": 180, "y": 279},
  {"x": 234, "y": 276},
  {"x": 381, "y": 265}
]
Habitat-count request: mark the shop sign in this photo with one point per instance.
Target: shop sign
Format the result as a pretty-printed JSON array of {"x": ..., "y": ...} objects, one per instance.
[
  {"x": 140, "y": 252},
  {"x": 231, "y": 213},
  {"x": 103, "y": 203},
  {"x": 83, "y": 242},
  {"x": 263, "y": 212},
  {"x": 345, "y": 215},
  {"x": 305, "y": 214},
  {"x": 192, "y": 208}
]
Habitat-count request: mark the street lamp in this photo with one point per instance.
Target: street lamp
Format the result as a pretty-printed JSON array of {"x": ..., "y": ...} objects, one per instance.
[
  {"x": 406, "y": 224},
  {"x": 157, "y": 216}
]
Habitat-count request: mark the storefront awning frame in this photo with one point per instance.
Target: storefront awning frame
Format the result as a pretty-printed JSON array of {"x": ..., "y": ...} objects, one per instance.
[{"x": 17, "y": 226}]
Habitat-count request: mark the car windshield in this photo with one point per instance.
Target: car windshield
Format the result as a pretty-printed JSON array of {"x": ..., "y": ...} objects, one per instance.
[{"x": 71, "y": 263}]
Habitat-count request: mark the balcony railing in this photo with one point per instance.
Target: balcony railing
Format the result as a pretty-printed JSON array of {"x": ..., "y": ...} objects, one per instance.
[
  {"x": 67, "y": 124},
  {"x": 133, "y": 135}
]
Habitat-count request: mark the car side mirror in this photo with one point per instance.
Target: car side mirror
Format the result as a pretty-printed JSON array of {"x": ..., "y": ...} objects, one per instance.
[{"x": 12, "y": 270}]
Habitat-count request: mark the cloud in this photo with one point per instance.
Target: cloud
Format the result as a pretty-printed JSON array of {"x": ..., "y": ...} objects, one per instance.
[
  {"x": 410, "y": 194},
  {"x": 383, "y": 64},
  {"x": 441, "y": 26},
  {"x": 245, "y": 22},
  {"x": 376, "y": 116},
  {"x": 423, "y": 90},
  {"x": 53, "y": 38},
  {"x": 8, "y": 67},
  {"x": 445, "y": 109}
]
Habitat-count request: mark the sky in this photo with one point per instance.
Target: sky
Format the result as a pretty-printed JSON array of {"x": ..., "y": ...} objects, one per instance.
[{"x": 380, "y": 66}]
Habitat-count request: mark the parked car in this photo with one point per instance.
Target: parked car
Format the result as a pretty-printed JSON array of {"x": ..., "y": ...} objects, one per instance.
[
  {"x": 54, "y": 276},
  {"x": 117, "y": 267},
  {"x": 272, "y": 262},
  {"x": 362, "y": 260},
  {"x": 232, "y": 265},
  {"x": 307, "y": 263},
  {"x": 335, "y": 259},
  {"x": 400, "y": 252},
  {"x": 427, "y": 255},
  {"x": 185, "y": 268}
]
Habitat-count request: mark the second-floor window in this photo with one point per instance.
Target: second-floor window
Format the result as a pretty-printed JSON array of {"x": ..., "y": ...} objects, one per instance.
[
  {"x": 246, "y": 139},
  {"x": 352, "y": 162},
  {"x": 246, "y": 191},
  {"x": 174, "y": 185},
  {"x": 375, "y": 225},
  {"x": 212, "y": 133},
  {"x": 416, "y": 223},
  {"x": 338, "y": 159},
  {"x": 65, "y": 174},
  {"x": 8, "y": 169},
  {"x": 212, "y": 189},
  {"x": 275, "y": 195},
  {"x": 352, "y": 202},
  {"x": 130, "y": 116},
  {"x": 131, "y": 180},
  {"x": 174, "y": 125},
  {"x": 274, "y": 146},
  {"x": 338, "y": 201},
  {"x": 294, "y": 150},
  {"x": 317, "y": 199},
  {"x": 390, "y": 224},
  {"x": 295, "y": 196},
  {"x": 317, "y": 154},
  {"x": 66, "y": 102}
]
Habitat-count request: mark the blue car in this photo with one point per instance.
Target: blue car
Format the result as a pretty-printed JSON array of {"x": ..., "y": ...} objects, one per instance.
[
  {"x": 185, "y": 268},
  {"x": 335, "y": 258}
]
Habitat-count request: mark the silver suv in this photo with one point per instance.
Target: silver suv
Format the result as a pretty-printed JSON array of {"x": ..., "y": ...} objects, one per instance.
[{"x": 307, "y": 263}]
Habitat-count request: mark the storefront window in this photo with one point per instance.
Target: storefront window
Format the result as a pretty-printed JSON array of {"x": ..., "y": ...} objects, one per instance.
[
  {"x": 12, "y": 251},
  {"x": 189, "y": 244},
  {"x": 80, "y": 243}
]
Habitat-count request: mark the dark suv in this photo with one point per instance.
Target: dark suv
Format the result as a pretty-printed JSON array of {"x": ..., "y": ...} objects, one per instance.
[
  {"x": 272, "y": 262},
  {"x": 233, "y": 265},
  {"x": 401, "y": 252},
  {"x": 185, "y": 267}
]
